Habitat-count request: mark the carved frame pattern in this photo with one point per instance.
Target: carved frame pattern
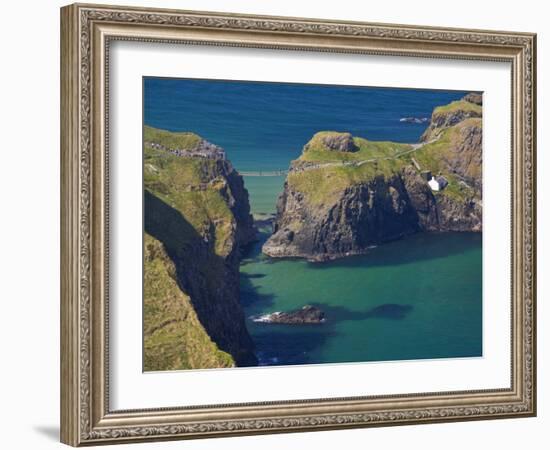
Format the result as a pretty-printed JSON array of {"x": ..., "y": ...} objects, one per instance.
[{"x": 86, "y": 418}]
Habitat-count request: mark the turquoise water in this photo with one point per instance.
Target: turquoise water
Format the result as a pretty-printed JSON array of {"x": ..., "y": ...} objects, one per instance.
[
  {"x": 420, "y": 297},
  {"x": 263, "y": 193},
  {"x": 416, "y": 298}
]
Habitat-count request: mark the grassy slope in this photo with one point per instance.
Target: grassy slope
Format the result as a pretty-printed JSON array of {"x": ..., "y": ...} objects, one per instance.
[
  {"x": 181, "y": 343},
  {"x": 324, "y": 185},
  {"x": 433, "y": 155},
  {"x": 316, "y": 150},
  {"x": 173, "y": 336},
  {"x": 458, "y": 105}
]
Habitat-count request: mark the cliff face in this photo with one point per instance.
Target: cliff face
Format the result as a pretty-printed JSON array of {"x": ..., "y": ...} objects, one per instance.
[
  {"x": 196, "y": 218},
  {"x": 358, "y": 216},
  {"x": 340, "y": 199},
  {"x": 451, "y": 114}
]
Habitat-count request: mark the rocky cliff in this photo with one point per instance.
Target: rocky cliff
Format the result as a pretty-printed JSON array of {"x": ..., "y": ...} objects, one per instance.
[
  {"x": 448, "y": 115},
  {"x": 196, "y": 218},
  {"x": 346, "y": 193}
]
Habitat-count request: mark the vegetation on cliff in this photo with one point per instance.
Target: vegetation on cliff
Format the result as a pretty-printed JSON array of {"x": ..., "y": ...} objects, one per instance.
[
  {"x": 449, "y": 115},
  {"x": 174, "y": 338},
  {"x": 321, "y": 147},
  {"x": 345, "y": 193},
  {"x": 386, "y": 159},
  {"x": 196, "y": 209},
  {"x": 170, "y": 139}
]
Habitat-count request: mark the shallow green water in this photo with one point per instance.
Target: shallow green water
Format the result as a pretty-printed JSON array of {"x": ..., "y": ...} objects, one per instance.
[
  {"x": 416, "y": 298},
  {"x": 263, "y": 192}
]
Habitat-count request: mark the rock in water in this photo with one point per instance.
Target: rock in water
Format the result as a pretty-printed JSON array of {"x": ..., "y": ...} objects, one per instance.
[{"x": 306, "y": 315}]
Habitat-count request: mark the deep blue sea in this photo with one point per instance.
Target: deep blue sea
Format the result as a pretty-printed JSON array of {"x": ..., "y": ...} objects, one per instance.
[
  {"x": 263, "y": 126},
  {"x": 415, "y": 298}
]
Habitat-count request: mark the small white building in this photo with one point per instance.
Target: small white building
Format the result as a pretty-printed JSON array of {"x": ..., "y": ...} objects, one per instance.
[{"x": 438, "y": 184}]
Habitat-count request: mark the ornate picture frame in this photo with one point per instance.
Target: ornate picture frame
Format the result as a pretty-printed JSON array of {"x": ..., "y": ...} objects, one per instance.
[{"x": 87, "y": 32}]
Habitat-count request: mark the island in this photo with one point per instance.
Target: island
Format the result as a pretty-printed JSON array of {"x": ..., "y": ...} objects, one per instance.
[{"x": 345, "y": 193}]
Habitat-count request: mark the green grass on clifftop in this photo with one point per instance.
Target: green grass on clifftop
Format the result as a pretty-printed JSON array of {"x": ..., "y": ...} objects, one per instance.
[
  {"x": 340, "y": 170},
  {"x": 435, "y": 154},
  {"x": 171, "y": 140},
  {"x": 190, "y": 186},
  {"x": 316, "y": 150},
  {"x": 458, "y": 105},
  {"x": 323, "y": 185}
]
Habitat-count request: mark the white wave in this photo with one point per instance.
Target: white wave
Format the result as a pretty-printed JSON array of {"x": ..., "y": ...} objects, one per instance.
[{"x": 264, "y": 318}]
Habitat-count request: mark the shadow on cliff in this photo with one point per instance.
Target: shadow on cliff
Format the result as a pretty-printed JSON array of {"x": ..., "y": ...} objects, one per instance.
[
  {"x": 208, "y": 279},
  {"x": 421, "y": 246},
  {"x": 168, "y": 226}
]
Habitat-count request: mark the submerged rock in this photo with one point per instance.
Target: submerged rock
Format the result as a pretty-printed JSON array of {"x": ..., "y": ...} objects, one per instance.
[{"x": 306, "y": 315}]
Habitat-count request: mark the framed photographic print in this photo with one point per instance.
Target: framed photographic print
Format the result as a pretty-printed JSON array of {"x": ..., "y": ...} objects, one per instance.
[{"x": 275, "y": 224}]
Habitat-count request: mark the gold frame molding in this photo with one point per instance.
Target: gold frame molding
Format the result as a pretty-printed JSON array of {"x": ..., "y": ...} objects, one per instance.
[{"x": 86, "y": 32}]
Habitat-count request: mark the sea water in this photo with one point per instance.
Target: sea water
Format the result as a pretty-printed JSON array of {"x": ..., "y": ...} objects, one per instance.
[{"x": 419, "y": 297}]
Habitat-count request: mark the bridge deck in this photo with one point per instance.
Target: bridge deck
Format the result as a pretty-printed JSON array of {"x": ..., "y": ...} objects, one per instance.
[{"x": 263, "y": 173}]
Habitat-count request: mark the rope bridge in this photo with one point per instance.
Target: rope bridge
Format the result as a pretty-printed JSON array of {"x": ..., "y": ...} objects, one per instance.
[{"x": 263, "y": 173}]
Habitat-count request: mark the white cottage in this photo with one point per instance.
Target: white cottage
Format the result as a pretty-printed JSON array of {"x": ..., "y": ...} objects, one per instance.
[{"x": 438, "y": 184}]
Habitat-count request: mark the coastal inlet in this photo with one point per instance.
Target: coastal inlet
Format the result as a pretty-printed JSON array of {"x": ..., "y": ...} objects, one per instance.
[
  {"x": 305, "y": 224},
  {"x": 398, "y": 302}
]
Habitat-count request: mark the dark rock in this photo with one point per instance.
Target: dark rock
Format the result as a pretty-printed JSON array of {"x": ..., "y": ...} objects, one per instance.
[
  {"x": 474, "y": 97},
  {"x": 363, "y": 215},
  {"x": 341, "y": 142},
  {"x": 443, "y": 183},
  {"x": 306, "y": 315}
]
